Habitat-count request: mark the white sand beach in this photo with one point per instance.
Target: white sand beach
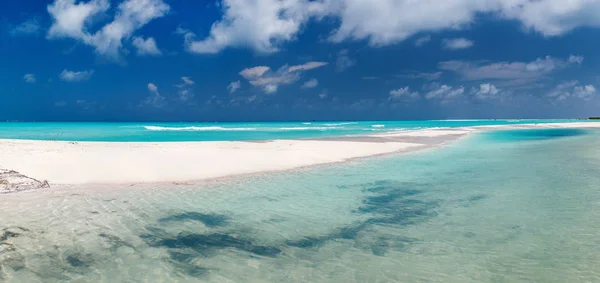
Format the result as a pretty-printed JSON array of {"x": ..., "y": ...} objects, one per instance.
[{"x": 61, "y": 162}]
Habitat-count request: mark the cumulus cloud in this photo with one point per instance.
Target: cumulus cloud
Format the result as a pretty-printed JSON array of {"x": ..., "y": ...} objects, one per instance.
[
  {"x": 185, "y": 89},
  {"x": 522, "y": 71},
  {"x": 154, "y": 99},
  {"x": 576, "y": 59},
  {"x": 343, "y": 61},
  {"x": 443, "y": 92},
  {"x": 186, "y": 81},
  {"x": 403, "y": 94},
  {"x": 572, "y": 89},
  {"x": 146, "y": 46},
  {"x": 71, "y": 19},
  {"x": 554, "y": 17},
  {"x": 29, "y": 78},
  {"x": 312, "y": 83},
  {"x": 31, "y": 26},
  {"x": 457, "y": 43},
  {"x": 75, "y": 76},
  {"x": 262, "y": 25},
  {"x": 422, "y": 40},
  {"x": 265, "y": 25},
  {"x": 486, "y": 91},
  {"x": 262, "y": 76},
  {"x": 234, "y": 86}
]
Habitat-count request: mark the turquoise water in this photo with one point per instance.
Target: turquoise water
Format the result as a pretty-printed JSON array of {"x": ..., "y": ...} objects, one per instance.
[
  {"x": 162, "y": 132},
  {"x": 505, "y": 206}
]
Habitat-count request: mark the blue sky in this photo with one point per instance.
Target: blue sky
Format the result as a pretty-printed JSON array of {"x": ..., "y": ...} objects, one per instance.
[{"x": 261, "y": 60}]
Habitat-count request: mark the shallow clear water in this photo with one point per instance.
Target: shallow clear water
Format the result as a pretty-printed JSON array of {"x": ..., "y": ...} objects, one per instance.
[
  {"x": 168, "y": 132},
  {"x": 506, "y": 206}
]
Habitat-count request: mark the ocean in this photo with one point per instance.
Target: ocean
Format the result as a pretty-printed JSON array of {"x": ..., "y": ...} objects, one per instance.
[
  {"x": 177, "y": 132},
  {"x": 498, "y": 206}
]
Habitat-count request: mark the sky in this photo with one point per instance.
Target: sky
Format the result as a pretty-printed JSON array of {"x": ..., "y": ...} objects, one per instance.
[{"x": 282, "y": 60}]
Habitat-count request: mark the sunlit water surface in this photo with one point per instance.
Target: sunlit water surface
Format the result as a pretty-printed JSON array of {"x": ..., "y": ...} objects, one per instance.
[{"x": 507, "y": 206}]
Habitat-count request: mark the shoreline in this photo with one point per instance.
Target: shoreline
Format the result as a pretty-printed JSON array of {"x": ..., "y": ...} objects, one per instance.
[{"x": 63, "y": 163}]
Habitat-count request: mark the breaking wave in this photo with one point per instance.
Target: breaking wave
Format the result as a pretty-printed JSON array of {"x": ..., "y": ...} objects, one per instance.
[
  {"x": 192, "y": 128},
  {"x": 216, "y": 129}
]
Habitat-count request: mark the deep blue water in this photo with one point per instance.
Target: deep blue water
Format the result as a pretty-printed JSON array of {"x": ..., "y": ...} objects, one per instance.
[{"x": 170, "y": 132}]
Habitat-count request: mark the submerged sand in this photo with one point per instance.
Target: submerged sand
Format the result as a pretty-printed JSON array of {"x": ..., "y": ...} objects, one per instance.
[{"x": 132, "y": 162}]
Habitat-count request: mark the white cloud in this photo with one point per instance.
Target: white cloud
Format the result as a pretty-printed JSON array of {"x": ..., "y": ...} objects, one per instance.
[
  {"x": 422, "y": 40},
  {"x": 312, "y": 83},
  {"x": 486, "y": 91},
  {"x": 185, "y": 89},
  {"x": 403, "y": 94},
  {"x": 554, "y": 17},
  {"x": 146, "y": 46},
  {"x": 262, "y": 76},
  {"x": 153, "y": 89},
  {"x": 234, "y": 86},
  {"x": 323, "y": 94},
  {"x": 457, "y": 43},
  {"x": 255, "y": 72},
  {"x": 154, "y": 99},
  {"x": 28, "y": 27},
  {"x": 75, "y": 76},
  {"x": 343, "y": 61},
  {"x": 264, "y": 25},
  {"x": 392, "y": 21},
  {"x": 576, "y": 59},
  {"x": 61, "y": 103},
  {"x": 29, "y": 78},
  {"x": 523, "y": 71},
  {"x": 444, "y": 92},
  {"x": 187, "y": 81},
  {"x": 185, "y": 95},
  {"x": 307, "y": 66},
  {"x": 572, "y": 89},
  {"x": 585, "y": 92},
  {"x": 71, "y": 20},
  {"x": 271, "y": 88}
]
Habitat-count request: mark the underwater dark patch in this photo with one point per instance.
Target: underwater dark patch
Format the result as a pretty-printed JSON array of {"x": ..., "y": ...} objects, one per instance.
[
  {"x": 7, "y": 235},
  {"x": 346, "y": 233},
  {"x": 476, "y": 198},
  {"x": 534, "y": 134},
  {"x": 206, "y": 244},
  {"x": 388, "y": 204},
  {"x": 208, "y": 219},
  {"x": 77, "y": 261}
]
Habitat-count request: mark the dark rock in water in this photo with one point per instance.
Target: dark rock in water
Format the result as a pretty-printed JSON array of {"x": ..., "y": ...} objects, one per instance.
[
  {"x": 210, "y": 220},
  {"x": 12, "y": 181}
]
